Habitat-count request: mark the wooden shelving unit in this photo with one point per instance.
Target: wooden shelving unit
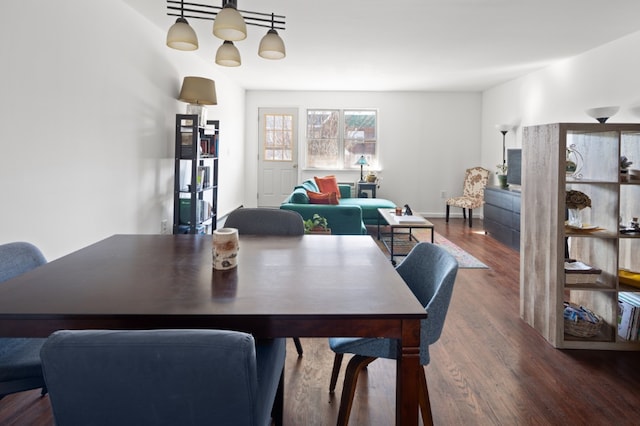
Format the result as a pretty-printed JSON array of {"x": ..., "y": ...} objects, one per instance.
[{"x": 545, "y": 238}]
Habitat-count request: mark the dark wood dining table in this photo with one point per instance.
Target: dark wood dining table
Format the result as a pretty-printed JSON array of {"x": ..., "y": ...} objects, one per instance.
[{"x": 304, "y": 286}]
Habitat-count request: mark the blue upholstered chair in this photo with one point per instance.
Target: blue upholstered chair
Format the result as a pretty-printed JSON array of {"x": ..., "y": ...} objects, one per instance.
[
  {"x": 20, "y": 368},
  {"x": 430, "y": 272},
  {"x": 267, "y": 221},
  {"x": 163, "y": 377}
]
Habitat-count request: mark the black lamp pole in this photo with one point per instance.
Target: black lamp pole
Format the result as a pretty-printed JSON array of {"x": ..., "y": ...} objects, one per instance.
[{"x": 504, "y": 133}]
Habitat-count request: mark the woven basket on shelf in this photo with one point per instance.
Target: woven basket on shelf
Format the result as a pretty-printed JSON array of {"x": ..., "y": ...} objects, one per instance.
[{"x": 581, "y": 327}]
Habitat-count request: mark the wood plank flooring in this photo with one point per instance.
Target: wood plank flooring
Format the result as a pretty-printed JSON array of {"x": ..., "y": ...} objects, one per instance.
[{"x": 488, "y": 368}]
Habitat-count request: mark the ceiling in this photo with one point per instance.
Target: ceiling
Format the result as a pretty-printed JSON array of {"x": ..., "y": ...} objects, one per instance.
[{"x": 411, "y": 45}]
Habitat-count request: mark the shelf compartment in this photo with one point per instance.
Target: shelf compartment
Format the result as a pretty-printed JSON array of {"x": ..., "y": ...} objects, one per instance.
[
  {"x": 602, "y": 303},
  {"x": 629, "y": 248},
  {"x": 600, "y": 253},
  {"x": 595, "y": 150}
]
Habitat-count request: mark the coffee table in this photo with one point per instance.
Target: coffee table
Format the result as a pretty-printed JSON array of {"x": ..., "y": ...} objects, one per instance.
[{"x": 397, "y": 223}]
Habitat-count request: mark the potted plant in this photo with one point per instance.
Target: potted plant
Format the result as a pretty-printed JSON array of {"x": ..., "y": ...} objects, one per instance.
[
  {"x": 502, "y": 175},
  {"x": 316, "y": 225}
]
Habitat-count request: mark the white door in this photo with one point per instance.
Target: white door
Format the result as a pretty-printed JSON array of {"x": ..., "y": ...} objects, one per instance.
[{"x": 278, "y": 161}]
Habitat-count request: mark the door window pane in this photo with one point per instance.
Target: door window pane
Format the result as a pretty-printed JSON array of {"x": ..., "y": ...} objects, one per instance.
[{"x": 278, "y": 137}]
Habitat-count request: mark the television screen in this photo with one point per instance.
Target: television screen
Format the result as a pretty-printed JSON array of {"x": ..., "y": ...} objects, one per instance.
[{"x": 514, "y": 165}]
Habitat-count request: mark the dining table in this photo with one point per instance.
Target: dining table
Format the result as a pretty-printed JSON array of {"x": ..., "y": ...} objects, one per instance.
[{"x": 283, "y": 286}]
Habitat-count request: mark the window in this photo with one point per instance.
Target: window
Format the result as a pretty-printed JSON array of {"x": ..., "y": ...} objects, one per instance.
[
  {"x": 337, "y": 138},
  {"x": 278, "y": 137}
]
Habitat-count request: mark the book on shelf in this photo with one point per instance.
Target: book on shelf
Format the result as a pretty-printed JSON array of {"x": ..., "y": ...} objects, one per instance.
[{"x": 628, "y": 315}]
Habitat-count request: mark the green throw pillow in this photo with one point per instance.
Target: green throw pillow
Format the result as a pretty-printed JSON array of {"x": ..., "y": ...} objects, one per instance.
[{"x": 299, "y": 196}]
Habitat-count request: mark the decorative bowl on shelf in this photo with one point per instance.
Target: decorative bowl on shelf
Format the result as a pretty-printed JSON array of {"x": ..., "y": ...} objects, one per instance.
[{"x": 602, "y": 114}]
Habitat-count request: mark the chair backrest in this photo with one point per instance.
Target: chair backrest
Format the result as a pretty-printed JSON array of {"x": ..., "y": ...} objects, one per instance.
[
  {"x": 18, "y": 258},
  {"x": 159, "y": 377},
  {"x": 265, "y": 221},
  {"x": 475, "y": 180},
  {"x": 430, "y": 273}
]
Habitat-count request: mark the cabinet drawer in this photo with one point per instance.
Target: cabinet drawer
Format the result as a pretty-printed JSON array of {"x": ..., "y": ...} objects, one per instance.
[
  {"x": 496, "y": 214},
  {"x": 503, "y": 199},
  {"x": 498, "y": 231}
]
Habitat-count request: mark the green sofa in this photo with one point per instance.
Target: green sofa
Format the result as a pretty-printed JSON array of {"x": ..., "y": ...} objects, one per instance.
[{"x": 347, "y": 218}]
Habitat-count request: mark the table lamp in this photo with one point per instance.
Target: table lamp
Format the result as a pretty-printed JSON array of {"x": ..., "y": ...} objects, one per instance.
[
  {"x": 198, "y": 91},
  {"x": 362, "y": 162}
]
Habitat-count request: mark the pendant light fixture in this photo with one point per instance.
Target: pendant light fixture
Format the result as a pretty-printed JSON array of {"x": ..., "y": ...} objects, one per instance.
[
  {"x": 181, "y": 36},
  {"x": 228, "y": 55},
  {"x": 271, "y": 45},
  {"x": 229, "y": 24}
]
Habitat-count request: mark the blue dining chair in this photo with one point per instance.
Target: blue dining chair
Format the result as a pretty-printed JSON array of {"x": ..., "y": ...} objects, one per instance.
[
  {"x": 430, "y": 273},
  {"x": 164, "y": 377},
  {"x": 20, "y": 368},
  {"x": 267, "y": 221}
]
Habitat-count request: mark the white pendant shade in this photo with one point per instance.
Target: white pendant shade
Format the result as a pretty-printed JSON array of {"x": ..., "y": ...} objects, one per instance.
[
  {"x": 181, "y": 36},
  {"x": 271, "y": 46},
  {"x": 228, "y": 55},
  {"x": 198, "y": 90},
  {"x": 229, "y": 24}
]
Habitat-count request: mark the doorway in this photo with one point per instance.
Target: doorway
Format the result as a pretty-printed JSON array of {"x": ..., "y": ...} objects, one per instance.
[{"x": 277, "y": 154}]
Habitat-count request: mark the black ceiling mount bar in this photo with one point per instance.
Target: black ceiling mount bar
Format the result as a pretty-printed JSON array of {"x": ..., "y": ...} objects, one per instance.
[{"x": 208, "y": 12}]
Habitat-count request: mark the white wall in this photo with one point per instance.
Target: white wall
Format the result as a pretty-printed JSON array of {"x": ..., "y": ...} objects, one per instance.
[
  {"x": 88, "y": 109},
  {"x": 426, "y": 140},
  {"x": 607, "y": 75}
]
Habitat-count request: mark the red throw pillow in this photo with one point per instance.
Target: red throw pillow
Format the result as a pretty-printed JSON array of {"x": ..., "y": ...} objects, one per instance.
[
  {"x": 327, "y": 184},
  {"x": 322, "y": 198}
]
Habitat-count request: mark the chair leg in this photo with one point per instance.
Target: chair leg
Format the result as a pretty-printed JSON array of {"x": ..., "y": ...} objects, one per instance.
[
  {"x": 296, "y": 340},
  {"x": 446, "y": 215},
  {"x": 356, "y": 364},
  {"x": 337, "y": 361},
  {"x": 470, "y": 216},
  {"x": 277, "y": 411},
  {"x": 464, "y": 214},
  {"x": 423, "y": 399}
]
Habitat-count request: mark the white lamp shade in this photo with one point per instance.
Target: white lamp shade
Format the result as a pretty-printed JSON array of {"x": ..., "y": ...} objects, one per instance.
[
  {"x": 198, "y": 90},
  {"x": 181, "y": 36},
  {"x": 229, "y": 24},
  {"x": 228, "y": 55},
  {"x": 602, "y": 114},
  {"x": 503, "y": 127},
  {"x": 272, "y": 46}
]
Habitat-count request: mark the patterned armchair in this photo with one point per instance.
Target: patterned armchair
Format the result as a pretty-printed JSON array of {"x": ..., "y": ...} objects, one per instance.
[{"x": 475, "y": 180}]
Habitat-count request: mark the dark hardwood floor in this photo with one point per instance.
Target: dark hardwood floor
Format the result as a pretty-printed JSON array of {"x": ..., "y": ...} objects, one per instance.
[{"x": 488, "y": 368}]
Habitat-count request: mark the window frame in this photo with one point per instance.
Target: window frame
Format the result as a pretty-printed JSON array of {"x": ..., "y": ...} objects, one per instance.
[{"x": 342, "y": 140}]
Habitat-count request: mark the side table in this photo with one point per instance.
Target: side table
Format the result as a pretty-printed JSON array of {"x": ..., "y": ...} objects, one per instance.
[{"x": 367, "y": 186}]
